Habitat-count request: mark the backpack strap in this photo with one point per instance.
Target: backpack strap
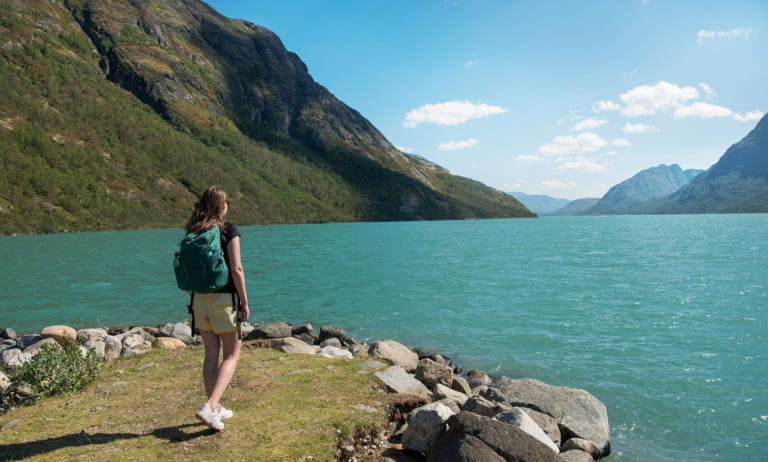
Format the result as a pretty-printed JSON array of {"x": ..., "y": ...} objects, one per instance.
[
  {"x": 191, "y": 312},
  {"x": 236, "y": 308}
]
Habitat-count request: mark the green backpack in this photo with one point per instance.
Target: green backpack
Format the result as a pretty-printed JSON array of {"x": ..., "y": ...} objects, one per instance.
[{"x": 199, "y": 263}]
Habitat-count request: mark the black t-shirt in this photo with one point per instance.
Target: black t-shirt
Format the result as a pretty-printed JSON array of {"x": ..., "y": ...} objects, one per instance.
[{"x": 230, "y": 232}]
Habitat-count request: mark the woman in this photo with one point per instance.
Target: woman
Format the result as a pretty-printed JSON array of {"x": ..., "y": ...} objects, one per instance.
[{"x": 215, "y": 313}]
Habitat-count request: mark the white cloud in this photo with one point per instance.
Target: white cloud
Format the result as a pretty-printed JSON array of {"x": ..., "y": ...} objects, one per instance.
[
  {"x": 607, "y": 105},
  {"x": 582, "y": 164},
  {"x": 749, "y": 116},
  {"x": 565, "y": 145},
  {"x": 471, "y": 63},
  {"x": 649, "y": 99},
  {"x": 702, "y": 111},
  {"x": 453, "y": 145},
  {"x": 558, "y": 184},
  {"x": 589, "y": 124},
  {"x": 703, "y": 35},
  {"x": 639, "y": 128},
  {"x": 621, "y": 142},
  {"x": 709, "y": 92},
  {"x": 404, "y": 149},
  {"x": 528, "y": 158},
  {"x": 450, "y": 113}
]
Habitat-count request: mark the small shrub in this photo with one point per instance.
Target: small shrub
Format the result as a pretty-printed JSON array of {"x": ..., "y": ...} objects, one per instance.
[{"x": 55, "y": 370}]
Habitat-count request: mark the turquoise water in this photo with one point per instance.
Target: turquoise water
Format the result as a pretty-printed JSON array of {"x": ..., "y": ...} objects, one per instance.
[{"x": 663, "y": 318}]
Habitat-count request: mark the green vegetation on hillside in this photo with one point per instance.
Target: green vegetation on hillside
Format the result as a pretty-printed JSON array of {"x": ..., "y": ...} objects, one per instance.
[{"x": 80, "y": 152}]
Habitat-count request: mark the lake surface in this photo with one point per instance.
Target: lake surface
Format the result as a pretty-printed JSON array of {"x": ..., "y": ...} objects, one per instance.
[{"x": 663, "y": 318}]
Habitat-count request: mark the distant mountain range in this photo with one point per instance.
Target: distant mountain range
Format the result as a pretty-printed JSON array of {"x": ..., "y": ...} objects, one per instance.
[{"x": 737, "y": 183}]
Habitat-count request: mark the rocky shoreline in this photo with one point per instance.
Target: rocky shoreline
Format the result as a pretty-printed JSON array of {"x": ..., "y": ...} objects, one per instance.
[{"x": 454, "y": 415}]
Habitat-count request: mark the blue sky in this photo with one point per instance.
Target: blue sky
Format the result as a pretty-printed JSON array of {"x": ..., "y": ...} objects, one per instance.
[{"x": 565, "y": 98}]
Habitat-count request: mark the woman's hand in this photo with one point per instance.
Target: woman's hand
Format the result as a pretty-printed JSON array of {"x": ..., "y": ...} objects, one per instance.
[{"x": 244, "y": 312}]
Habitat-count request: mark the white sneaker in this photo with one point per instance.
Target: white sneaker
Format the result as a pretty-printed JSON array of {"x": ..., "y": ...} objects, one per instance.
[
  {"x": 209, "y": 417},
  {"x": 225, "y": 413}
]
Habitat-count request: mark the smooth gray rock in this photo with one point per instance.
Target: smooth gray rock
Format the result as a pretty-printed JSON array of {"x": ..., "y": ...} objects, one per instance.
[
  {"x": 574, "y": 455},
  {"x": 395, "y": 353},
  {"x": 475, "y": 438},
  {"x": 547, "y": 424},
  {"x": 270, "y": 331},
  {"x": 113, "y": 347},
  {"x": 399, "y": 381},
  {"x": 13, "y": 358},
  {"x": 443, "y": 392},
  {"x": 582, "y": 445},
  {"x": 519, "y": 418},
  {"x": 35, "y": 348},
  {"x": 577, "y": 410},
  {"x": 335, "y": 352},
  {"x": 91, "y": 335},
  {"x": 293, "y": 345}
]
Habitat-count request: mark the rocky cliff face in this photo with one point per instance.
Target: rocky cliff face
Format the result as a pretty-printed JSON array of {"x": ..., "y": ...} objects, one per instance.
[
  {"x": 737, "y": 183},
  {"x": 195, "y": 66}
]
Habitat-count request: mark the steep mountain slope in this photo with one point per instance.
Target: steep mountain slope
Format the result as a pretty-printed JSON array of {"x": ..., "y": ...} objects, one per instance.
[
  {"x": 577, "y": 207},
  {"x": 114, "y": 113},
  {"x": 647, "y": 185},
  {"x": 737, "y": 183}
]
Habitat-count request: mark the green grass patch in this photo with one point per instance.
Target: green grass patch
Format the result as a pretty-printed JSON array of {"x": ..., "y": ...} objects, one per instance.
[{"x": 287, "y": 407}]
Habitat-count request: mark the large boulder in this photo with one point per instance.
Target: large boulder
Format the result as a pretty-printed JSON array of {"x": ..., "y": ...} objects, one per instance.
[
  {"x": 519, "y": 418},
  {"x": 399, "y": 381},
  {"x": 293, "y": 345},
  {"x": 270, "y": 331},
  {"x": 483, "y": 406},
  {"x": 471, "y": 437},
  {"x": 443, "y": 392},
  {"x": 8, "y": 334},
  {"x": 35, "y": 348},
  {"x": 64, "y": 335},
  {"x": 328, "y": 332},
  {"x": 395, "y": 353},
  {"x": 113, "y": 347},
  {"x": 179, "y": 330},
  {"x": 334, "y": 352},
  {"x": 431, "y": 373},
  {"x": 91, "y": 335},
  {"x": 13, "y": 358},
  {"x": 583, "y": 415},
  {"x": 424, "y": 425},
  {"x": 169, "y": 343}
]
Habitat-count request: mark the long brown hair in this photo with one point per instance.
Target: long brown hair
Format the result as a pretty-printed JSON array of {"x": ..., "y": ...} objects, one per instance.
[{"x": 209, "y": 211}]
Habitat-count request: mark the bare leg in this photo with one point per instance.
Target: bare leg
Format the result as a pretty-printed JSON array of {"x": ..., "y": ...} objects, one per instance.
[
  {"x": 212, "y": 343},
  {"x": 217, "y": 377}
]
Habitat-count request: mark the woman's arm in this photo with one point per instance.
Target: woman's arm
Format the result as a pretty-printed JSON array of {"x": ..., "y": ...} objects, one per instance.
[{"x": 238, "y": 275}]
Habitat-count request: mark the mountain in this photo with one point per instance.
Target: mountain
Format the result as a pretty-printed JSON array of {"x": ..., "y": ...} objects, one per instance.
[
  {"x": 540, "y": 204},
  {"x": 578, "y": 206},
  {"x": 115, "y": 113},
  {"x": 645, "y": 186},
  {"x": 737, "y": 183}
]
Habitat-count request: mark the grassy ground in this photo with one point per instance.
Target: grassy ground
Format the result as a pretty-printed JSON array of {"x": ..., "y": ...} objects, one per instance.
[{"x": 287, "y": 408}]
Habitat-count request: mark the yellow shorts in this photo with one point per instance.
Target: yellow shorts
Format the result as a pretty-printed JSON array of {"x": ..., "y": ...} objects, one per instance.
[{"x": 214, "y": 312}]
